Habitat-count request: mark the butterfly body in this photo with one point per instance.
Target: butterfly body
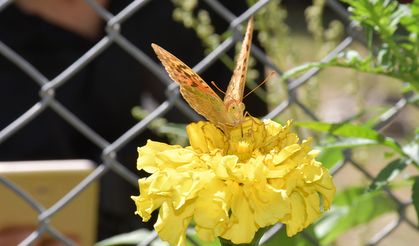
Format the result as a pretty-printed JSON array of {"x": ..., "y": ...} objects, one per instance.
[{"x": 228, "y": 112}]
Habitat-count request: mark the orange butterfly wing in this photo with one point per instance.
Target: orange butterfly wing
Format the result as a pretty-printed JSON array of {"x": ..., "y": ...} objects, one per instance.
[
  {"x": 193, "y": 88},
  {"x": 237, "y": 82}
]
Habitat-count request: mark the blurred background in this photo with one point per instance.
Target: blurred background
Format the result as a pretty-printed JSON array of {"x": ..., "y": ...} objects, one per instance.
[{"x": 79, "y": 80}]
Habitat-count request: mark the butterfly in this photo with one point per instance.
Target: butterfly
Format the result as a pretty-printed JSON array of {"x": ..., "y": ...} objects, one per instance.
[{"x": 199, "y": 95}]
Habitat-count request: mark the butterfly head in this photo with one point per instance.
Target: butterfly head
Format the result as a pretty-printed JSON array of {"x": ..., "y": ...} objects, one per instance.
[{"x": 236, "y": 111}]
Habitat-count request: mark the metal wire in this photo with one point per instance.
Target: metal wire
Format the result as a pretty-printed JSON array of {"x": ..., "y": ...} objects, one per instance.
[{"x": 110, "y": 149}]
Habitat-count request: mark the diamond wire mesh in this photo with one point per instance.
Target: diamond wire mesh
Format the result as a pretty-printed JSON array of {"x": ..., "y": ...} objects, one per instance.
[{"x": 110, "y": 149}]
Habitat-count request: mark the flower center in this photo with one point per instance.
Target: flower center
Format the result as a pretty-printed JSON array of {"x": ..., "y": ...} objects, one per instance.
[
  {"x": 243, "y": 147},
  {"x": 244, "y": 150}
]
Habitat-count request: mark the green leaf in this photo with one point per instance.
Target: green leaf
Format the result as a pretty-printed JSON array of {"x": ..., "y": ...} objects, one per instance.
[
  {"x": 330, "y": 157},
  {"x": 134, "y": 237},
  {"x": 388, "y": 173},
  {"x": 295, "y": 71},
  {"x": 352, "y": 131},
  {"x": 411, "y": 19},
  {"x": 349, "y": 143},
  {"x": 352, "y": 207},
  {"x": 383, "y": 15},
  {"x": 342, "y": 129},
  {"x": 415, "y": 196}
]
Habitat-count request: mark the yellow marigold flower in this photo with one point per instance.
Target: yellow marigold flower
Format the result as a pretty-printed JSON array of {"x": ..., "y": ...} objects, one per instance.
[{"x": 232, "y": 184}]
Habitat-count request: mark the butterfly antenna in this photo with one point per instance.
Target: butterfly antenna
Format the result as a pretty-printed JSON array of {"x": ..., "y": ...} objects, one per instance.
[
  {"x": 215, "y": 85},
  {"x": 259, "y": 85}
]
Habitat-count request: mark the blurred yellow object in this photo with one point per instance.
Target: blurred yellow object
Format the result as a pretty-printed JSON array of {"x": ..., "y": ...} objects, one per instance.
[{"x": 47, "y": 182}]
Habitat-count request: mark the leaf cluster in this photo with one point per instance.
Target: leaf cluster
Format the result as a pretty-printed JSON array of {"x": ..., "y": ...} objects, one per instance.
[
  {"x": 358, "y": 205},
  {"x": 392, "y": 34}
]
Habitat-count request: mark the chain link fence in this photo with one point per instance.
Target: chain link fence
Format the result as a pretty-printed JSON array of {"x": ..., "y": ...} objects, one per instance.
[{"x": 109, "y": 150}]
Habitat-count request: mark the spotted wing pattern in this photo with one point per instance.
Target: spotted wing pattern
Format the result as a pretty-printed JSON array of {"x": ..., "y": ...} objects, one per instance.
[
  {"x": 193, "y": 88},
  {"x": 235, "y": 89}
]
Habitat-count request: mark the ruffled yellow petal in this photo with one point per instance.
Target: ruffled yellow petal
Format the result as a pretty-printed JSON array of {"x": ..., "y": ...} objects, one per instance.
[
  {"x": 242, "y": 226},
  {"x": 205, "y": 137},
  {"x": 295, "y": 222},
  {"x": 211, "y": 210},
  {"x": 148, "y": 155},
  {"x": 171, "y": 224},
  {"x": 269, "y": 205},
  {"x": 174, "y": 158},
  {"x": 326, "y": 188}
]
